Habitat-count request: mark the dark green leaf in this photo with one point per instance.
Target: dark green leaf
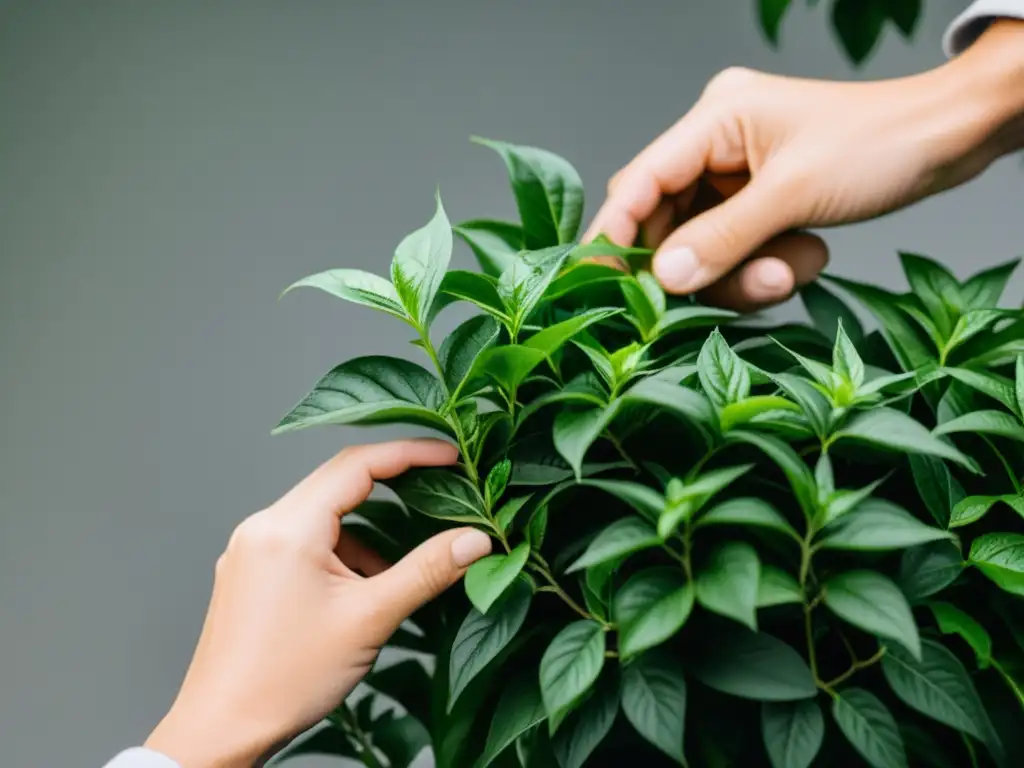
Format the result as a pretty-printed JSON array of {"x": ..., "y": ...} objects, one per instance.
[
  {"x": 325, "y": 741},
  {"x": 548, "y": 192},
  {"x": 677, "y": 399},
  {"x": 878, "y": 524},
  {"x": 827, "y": 310},
  {"x": 621, "y": 538},
  {"x": 985, "y": 288},
  {"x": 519, "y": 709},
  {"x": 523, "y": 285},
  {"x": 986, "y": 423},
  {"x": 723, "y": 375},
  {"x": 654, "y": 701},
  {"x": 473, "y": 287},
  {"x": 953, "y": 621},
  {"x": 905, "y": 14},
  {"x": 870, "y": 601},
  {"x": 496, "y": 482},
  {"x": 441, "y": 494},
  {"x": 645, "y": 500},
  {"x": 772, "y": 12},
  {"x": 870, "y": 728},
  {"x": 642, "y": 312},
  {"x": 371, "y": 390},
  {"x": 970, "y": 324},
  {"x": 482, "y": 637},
  {"x": 938, "y": 686},
  {"x": 494, "y": 243},
  {"x": 587, "y": 727},
  {"x": 755, "y": 666},
  {"x": 792, "y": 466},
  {"x": 420, "y": 263},
  {"x": 461, "y": 349},
  {"x": 776, "y": 587},
  {"x": 401, "y": 740},
  {"x": 487, "y": 579},
  {"x": 929, "y": 568},
  {"x": 748, "y": 511},
  {"x": 650, "y": 608},
  {"x": 793, "y": 732},
  {"x": 580, "y": 276},
  {"x": 575, "y": 431},
  {"x": 815, "y": 407},
  {"x": 728, "y": 584},
  {"x": 687, "y": 318},
  {"x": 893, "y": 430},
  {"x": 356, "y": 286},
  {"x": 1000, "y": 556},
  {"x": 570, "y": 666},
  {"x": 936, "y": 486},
  {"x": 936, "y": 288},
  {"x": 408, "y": 683},
  {"x": 1018, "y": 388}
]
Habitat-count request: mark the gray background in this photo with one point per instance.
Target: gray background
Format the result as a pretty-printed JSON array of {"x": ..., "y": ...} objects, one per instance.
[{"x": 167, "y": 167}]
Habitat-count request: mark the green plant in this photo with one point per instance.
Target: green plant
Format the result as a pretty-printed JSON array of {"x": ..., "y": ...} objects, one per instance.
[{"x": 716, "y": 544}]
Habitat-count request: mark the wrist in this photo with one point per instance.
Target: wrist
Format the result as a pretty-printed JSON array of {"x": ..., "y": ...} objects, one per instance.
[{"x": 205, "y": 742}]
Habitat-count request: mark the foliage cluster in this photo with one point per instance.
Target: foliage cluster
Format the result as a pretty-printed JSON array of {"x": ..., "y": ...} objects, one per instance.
[{"x": 717, "y": 543}]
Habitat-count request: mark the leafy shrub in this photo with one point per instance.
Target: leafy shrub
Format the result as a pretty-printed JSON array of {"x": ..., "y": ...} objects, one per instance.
[{"x": 716, "y": 543}]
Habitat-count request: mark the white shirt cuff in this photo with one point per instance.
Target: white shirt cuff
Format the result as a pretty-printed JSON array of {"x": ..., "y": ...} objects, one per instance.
[
  {"x": 141, "y": 758},
  {"x": 971, "y": 23}
]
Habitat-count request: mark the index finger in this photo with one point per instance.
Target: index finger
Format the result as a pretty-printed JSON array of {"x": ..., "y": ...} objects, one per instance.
[
  {"x": 670, "y": 164},
  {"x": 346, "y": 481}
]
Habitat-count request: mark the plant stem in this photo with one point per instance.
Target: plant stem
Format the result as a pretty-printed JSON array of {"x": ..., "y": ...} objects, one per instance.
[
  {"x": 366, "y": 753},
  {"x": 1006, "y": 465},
  {"x": 805, "y": 570},
  {"x": 554, "y": 587},
  {"x": 621, "y": 450},
  {"x": 855, "y": 667}
]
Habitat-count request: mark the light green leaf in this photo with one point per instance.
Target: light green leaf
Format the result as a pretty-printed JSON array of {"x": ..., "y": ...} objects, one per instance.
[
  {"x": 586, "y": 728},
  {"x": 879, "y": 525},
  {"x": 494, "y": 243},
  {"x": 793, "y": 467},
  {"x": 776, "y": 587},
  {"x": 1000, "y": 557},
  {"x": 650, "y": 608},
  {"x": 793, "y": 732},
  {"x": 893, "y": 430},
  {"x": 1018, "y": 388},
  {"x": 602, "y": 246},
  {"x": 827, "y": 311},
  {"x": 970, "y": 324},
  {"x": 825, "y": 377},
  {"x": 687, "y": 318},
  {"x": 985, "y": 288},
  {"x": 846, "y": 361},
  {"x": 937, "y": 686},
  {"x": 869, "y": 726},
  {"x": 723, "y": 375},
  {"x": 506, "y": 514},
  {"x": 751, "y": 408},
  {"x": 548, "y": 192},
  {"x": 872, "y": 602},
  {"x": 420, "y": 263},
  {"x": 570, "y": 666},
  {"x": 621, "y": 538},
  {"x": 356, "y": 286},
  {"x": 728, "y": 583},
  {"x": 953, "y": 621},
  {"x": 371, "y": 390},
  {"x": 463, "y": 346},
  {"x": 642, "y": 312},
  {"x": 682, "y": 500},
  {"x": 441, "y": 494},
  {"x": 496, "y": 482},
  {"x": 554, "y": 336},
  {"x": 482, "y": 637},
  {"x": 654, "y": 701},
  {"x": 973, "y": 508},
  {"x": 519, "y": 709},
  {"x": 575, "y": 431},
  {"x": 645, "y": 500},
  {"x": 748, "y": 511},
  {"x": 487, "y": 579},
  {"x": 929, "y": 568},
  {"x": 754, "y": 666},
  {"x": 986, "y": 423},
  {"x": 523, "y": 285}
]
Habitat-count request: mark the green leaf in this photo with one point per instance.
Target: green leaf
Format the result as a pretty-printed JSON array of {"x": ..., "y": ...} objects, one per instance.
[
  {"x": 688, "y": 318},
  {"x": 771, "y": 12},
  {"x": 793, "y": 732},
  {"x": 953, "y": 621},
  {"x": 901, "y": 336},
  {"x": 548, "y": 192},
  {"x": 872, "y": 602},
  {"x": 487, "y": 579},
  {"x": 846, "y": 360},
  {"x": 985, "y": 288},
  {"x": 870, "y": 728},
  {"x": 506, "y": 514},
  {"x": 401, "y": 740},
  {"x": 754, "y": 666},
  {"x": 723, "y": 375},
  {"x": 1000, "y": 557},
  {"x": 406, "y": 682},
  {"x": 642, "y": 312},
  {"x": 587, "y": 727},
  {"x": 654, "y": 701},
  {"x": 570, "y": 666},
  {"x": 937, "y": 686},
  {"x": 621, "y": 538},
  {"x": 827, "y": 311},
  {"x": 494, "y": 243},
  {"x": 776, "y": 587},
  {"x": 793, "y": 467},
  {"x": 650, "y": 608},
  {"x": 684, "y": 499},
  {"x": 497, "y": 480},
  {"x": 750, "y": 408},
  {"x": 579, "y": 276},
  {"x": 986, "y": 423},
  {"x": 878, "y": 525},
  {"x": 523, "y": 285},
  {"x": 537, "y": 527},
  {"x": 326, "y": 741},
  {"x": 463, "y": 346},
  {"x": 748, "y": 512},
  {"x": 905, "y": 14},
  {"x": 929, "y": 568},
  {"x": 473, "y": 287},
  {"x": 674, "y": 398},
  {"x": 371, "y": 390},
  {"x": 936, "y": 288},
  {"x": 483, "y": 636},
  {"x": 420, "y": 263},
  {"x": 842, "y": 502},
  {"x": 936, "y": 486},
  {"x": 645, "y": 500},
  {"x": 895, "y": 431},
  {"x": 1018, "y": 388},
  {"x": 728, "y": 584},
  {"x": 815, "y": 407},
  {"x": 575, "y": 431},
  {"x": 973, "y": 508},
  {"x": 441, "y": 494},
  {"x": 970, "y": 324},
  {"x": 519, "y": 709},
  {"x": 356, "y": 286}
]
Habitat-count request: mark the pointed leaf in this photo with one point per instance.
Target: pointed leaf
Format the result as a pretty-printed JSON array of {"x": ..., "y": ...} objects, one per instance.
[
  {"x": 870, "y": 728},
  {"x": 461, "y": 349},
  {"x": 986, "y": 423},
  {"x": 936, "y": 288},
  {"x": 893, "y": 430},
  {"x": 645, "y": 500},
  {"x": 519, "y": 709},
  {"x": 621, "y": 538},
  {"x": 728, "y": 584},
  {"x": 984, "y": 289},
  {"x": 827, "y": 311},
  {"x": 651, "y": 607},
  {"x": 473, "y": 287},
  {"x": 748, "y": 511},
  {"x": 487, "y": 579},
  {"x": 356, "y": 286},
  {"x": 586, "y": 728},
  {"x": 776, "y": 587},
  {"x": 754, "y": 666},
  {"x": 815, "y": 407},
  {"x": 870, "y": 601},
  {"x": 687, "y": 318},
  {"x": 793, "y": 467},
  {"x": 723, "y": 375},
  {"x": 793, "y": 732},
  {"x": 575, "y": 431},
  {"x": 936, "y": 486},
  {"x": 846, "y": 360},
  {"x": 878, "y": 524},
  {"x": 420, "y": 263},
  {"x": 654, "y": 701},
  {"x": 523, "y": 285},
  {"x": 973, "y": 508},
  {"x": 750, "y": 408},
  {"x": 970, "y": 324},
  {"x": 494, "y": 243},
  {"x": 1000, "y": 557},
  {"x": 929, "y": 568},
  {"x": 953, "y": 621},
  {"x": 441, "y": 494},
  {"x": 570, "y": 665},
  {"x": 674, "y": 398}
]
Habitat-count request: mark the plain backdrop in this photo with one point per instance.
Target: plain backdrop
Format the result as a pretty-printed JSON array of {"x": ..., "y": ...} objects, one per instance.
[{"x": 166, "y": 168}]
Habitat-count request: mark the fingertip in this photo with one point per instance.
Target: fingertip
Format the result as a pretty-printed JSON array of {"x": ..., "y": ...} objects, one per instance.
[
  {"x": 677, "y": 269},
  {"x": 766, "y": 281},
  {"x": 469, "y": 546}
]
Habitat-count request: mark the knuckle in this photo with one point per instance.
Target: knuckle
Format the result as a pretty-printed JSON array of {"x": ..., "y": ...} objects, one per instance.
[
  {"x": 263, "y": 535},
  {"x": 731, "y": 78}
]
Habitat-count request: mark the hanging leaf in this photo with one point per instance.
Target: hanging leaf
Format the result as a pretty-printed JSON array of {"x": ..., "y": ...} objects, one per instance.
[
  {"x": 870, "y": 728},
  {"x": 586, "y": 728},
  {"x": 650, "y": 608},
  {"x": 654, "y": 701},
  {"x": 870, "y": 601},
  {"x": 793, "y": 732},
  {"x": 489, "y": 578},
  {"x": 570, "y": 666},
  {"x": 929, "y": 568},
  {"x": 1000, "y": 556},
  {"x": 953, "y": 621},
  {"x": 893, "y": 430},
  {"x": 356, "y": 286},
  {"x": 728, "y": 584},
  {"x": 754, "y": 666}
]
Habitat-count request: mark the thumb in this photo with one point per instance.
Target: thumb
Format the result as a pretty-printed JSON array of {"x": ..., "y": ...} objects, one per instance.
[
  {"x": 710, "y": 245},
  {"x": 425, "y": 573}
]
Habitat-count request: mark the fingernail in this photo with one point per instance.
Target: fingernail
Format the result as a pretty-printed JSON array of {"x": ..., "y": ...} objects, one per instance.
[
  {"x": 470, "y": 547},
  {"x": 676, "y": 269}
]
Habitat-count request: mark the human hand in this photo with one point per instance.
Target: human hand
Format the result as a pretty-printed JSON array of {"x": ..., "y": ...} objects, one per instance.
[
  {"x": 292, "y": 627},
  {"x": 761, "y": 156}
]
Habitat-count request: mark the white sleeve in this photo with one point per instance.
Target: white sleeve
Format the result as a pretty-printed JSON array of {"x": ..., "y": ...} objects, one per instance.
[
  {"x": 975, "y": 20},
  {"x": 141, "y": 758}
]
